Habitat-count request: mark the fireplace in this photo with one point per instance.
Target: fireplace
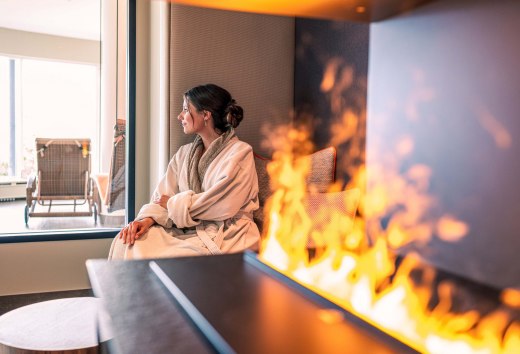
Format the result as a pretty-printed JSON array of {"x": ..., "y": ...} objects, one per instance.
[
  {"x": 259, "y": 310},
  {"x": 241, "y": 305},
  {"x": 422, "y": 109}
]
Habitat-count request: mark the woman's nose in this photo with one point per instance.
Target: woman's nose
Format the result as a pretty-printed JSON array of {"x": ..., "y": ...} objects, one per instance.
[{"x": 179, "y": 117}]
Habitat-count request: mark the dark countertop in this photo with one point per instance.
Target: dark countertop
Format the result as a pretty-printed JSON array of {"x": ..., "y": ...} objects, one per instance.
[
  {"x": 251, "y": 309},
  {"x": 144, "y": 319}
]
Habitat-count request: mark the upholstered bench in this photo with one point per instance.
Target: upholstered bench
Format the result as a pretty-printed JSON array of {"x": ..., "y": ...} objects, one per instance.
[
  {"x": 63, "y": 326},
  {"x": 320, "y": 203},
  {"x": 321, "y": 175}
]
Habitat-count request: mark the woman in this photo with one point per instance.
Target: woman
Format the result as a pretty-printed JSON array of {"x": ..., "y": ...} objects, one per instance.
[{"x": 203, "y": 205}]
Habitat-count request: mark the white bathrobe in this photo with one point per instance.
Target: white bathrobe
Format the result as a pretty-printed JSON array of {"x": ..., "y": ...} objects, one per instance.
[{"x": 217, "y": 220}]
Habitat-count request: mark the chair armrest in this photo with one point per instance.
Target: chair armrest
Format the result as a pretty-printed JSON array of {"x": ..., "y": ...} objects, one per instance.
[
  {"x": 30, "y": 187},
  {"x": 100, "y": 188},
  {"x": 31, "y": 182}
]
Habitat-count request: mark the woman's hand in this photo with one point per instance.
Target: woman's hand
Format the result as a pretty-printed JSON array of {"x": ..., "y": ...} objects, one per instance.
[
  {"x": 162, "y": 201},
  {"x": 135, "y": 229}
]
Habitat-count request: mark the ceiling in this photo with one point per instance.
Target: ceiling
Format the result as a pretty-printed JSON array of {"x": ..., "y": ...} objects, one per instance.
[
  {"x": 350, "y": 10},
  {"x": 82, "y": 18},
  {"x": 68, "y": 18}
]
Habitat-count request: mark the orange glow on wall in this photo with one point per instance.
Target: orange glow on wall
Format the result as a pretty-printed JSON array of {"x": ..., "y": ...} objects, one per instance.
[{"x": 333, "y": 9}]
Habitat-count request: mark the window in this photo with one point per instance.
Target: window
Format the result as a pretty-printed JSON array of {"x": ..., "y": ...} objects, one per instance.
[
  {"x": 6, "y": 120},
  {"x": 61, "y": 88},
  {"x": 51, "y": 99}
]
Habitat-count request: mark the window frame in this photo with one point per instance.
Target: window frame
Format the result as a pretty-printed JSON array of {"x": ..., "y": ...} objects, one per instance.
[{"x": 88, "y": 234}]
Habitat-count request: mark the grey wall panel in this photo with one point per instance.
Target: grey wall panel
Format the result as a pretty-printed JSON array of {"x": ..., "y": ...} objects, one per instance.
[
  {"x": 447, "y": 77},
  {"x": 250, "y": 55}
]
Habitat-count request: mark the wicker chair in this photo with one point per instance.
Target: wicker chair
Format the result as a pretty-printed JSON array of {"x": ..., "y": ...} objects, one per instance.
[
  {"x": 63, "y": 175},
  {"x": 109, "y": 188}
]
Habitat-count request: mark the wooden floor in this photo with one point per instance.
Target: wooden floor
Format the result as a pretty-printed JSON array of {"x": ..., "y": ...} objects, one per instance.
[{"x": 11, "y": 302}]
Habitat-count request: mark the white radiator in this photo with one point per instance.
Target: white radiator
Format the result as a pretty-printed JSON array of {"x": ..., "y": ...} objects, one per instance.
[{"x": 12, "y": 189}]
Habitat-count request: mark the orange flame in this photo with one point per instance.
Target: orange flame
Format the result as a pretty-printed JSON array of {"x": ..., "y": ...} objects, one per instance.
[
  {"x": 496, "y": 129},
  {"x": 363, "y": 278},
  {"x": 450, "y": 229},
  {"x": 352, "y": 261},
  {"x": 511, "y": 297}
]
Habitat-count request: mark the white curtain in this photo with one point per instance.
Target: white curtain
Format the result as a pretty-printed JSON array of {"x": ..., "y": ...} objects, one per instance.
[{"x": 159, "y": 89}]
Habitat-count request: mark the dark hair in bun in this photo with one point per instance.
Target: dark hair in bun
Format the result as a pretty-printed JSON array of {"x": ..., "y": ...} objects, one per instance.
[
  {"x": 234, "y": 114},
  {"x": 212, "y": 98}
]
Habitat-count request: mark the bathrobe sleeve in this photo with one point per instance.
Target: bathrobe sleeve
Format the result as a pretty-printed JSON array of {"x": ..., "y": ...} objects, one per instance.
[
  {"x": 167, "y": 186},
  {"x": 230, "y": 185}
]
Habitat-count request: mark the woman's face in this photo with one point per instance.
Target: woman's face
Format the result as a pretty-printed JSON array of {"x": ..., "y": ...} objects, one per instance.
[{"x": 192, "y": 121}]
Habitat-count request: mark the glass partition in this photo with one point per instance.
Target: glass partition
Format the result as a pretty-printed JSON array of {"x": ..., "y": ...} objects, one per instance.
[{"x": 62, "y": 137}]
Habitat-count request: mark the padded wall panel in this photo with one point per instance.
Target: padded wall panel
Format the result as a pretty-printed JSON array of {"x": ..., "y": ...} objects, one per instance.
[
  {"x": 250, "y": 55},
  {"x": 454, "y": 95}
]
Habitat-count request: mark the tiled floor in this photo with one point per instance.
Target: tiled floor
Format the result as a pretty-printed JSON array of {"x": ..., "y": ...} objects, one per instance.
[{"x": 12, "y": 220}]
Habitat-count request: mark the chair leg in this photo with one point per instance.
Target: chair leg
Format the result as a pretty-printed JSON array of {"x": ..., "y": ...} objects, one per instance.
[
  {"x": 29, "y": 190},
  {"x": 26, "y": 215}
]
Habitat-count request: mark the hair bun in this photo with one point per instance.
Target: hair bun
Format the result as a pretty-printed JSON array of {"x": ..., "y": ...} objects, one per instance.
[
  {"x": 234, "y": 113},
  {"x": 219, "y": 102}
]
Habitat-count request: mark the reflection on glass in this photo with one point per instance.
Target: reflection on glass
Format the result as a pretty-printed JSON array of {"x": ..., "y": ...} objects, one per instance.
[
  {"x": 59, "y": 100},
  {"x": 50, "y": 88}
]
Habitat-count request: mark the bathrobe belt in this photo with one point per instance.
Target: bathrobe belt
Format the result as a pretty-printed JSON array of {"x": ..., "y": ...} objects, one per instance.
[{"x": 211, "y": 233}]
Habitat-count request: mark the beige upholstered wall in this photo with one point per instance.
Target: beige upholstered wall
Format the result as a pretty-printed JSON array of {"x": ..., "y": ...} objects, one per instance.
[{"x": 250, "y": 55}]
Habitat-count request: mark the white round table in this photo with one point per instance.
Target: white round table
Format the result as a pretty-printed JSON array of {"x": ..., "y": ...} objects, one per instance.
[{"x": 67, "y": 325}]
